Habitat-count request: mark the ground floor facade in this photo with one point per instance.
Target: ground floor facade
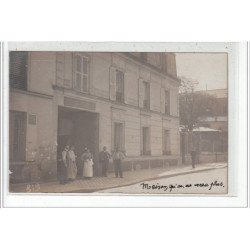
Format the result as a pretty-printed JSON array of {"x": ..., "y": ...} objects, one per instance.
[{"x": 41, "y": 125}]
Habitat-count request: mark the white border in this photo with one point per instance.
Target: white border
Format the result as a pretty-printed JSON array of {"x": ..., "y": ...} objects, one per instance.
[{"x": 237, "y": 83}]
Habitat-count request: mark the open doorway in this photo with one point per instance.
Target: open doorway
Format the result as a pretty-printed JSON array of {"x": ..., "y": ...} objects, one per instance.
[{"x": 81, "y": 129}]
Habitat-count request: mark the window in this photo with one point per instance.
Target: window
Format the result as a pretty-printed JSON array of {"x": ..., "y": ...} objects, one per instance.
[
  {"x": 166, "y": 142},
  {"x": 118, "y": 136},
  {"x": 146, "y": 95},
  {"x": 18, "y": 69},
  {"x": 167, "y": 102},
  {"x": 146, "y": 141},
  {"x": 17, "y": 135},
  {"x": 119, "y": 86},
  {"x": 81, "y": 73}
]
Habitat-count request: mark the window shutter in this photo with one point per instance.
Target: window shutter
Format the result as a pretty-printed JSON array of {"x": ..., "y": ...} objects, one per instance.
[
  {"x": 141, "y": 93},
  {"x": 151, "y": 96},
  {"x": 172, "y": 103},
  {"x": 18, "y": 63},
  {"x": 112, "y": 83},
  {"x": 163, "y": 100},
  {"x": 67, "y": 81},
  {"x": 59, "y": 68},
  {"x": 126, "y": 84}
]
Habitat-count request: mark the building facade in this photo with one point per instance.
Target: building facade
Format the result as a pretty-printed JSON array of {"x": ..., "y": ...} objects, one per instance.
[{"x": 125, "y": 100}]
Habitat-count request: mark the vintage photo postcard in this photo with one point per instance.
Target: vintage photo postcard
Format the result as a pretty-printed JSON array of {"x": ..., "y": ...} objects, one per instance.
[{"x": 107, "y": 122}]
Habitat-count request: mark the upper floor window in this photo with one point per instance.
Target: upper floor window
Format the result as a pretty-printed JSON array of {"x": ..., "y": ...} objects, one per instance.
[
  {"x": 81, "y": 73},
  {"x": 167, "y": 102},
  {"x": 146, "y": 95},
  {"x": 18, "y": 62},
  {"x": 119, "y": 86}
]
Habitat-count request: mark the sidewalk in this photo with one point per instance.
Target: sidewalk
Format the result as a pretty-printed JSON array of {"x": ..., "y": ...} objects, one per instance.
[{"x": 100, "y": 183}]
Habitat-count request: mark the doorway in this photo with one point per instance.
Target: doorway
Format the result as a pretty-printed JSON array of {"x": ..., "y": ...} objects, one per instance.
[{"x": 80, "y": 129}]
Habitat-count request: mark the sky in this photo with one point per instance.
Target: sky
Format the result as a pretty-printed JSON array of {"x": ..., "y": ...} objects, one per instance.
[{"x": 209, "y": 69}]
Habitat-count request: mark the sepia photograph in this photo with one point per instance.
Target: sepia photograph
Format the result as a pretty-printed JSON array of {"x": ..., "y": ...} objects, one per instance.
[{"x": 118, "y": 122}]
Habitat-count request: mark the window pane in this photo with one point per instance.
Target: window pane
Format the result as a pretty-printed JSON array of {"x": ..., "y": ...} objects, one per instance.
[
  {"x": 84, "y": 83},
  {"x": 146, "y": 95},
  {"x": 119, "y": 86},
  {"x": 78, "y": 63},
  {"x": 78, "y": 81},
  {"x": 120, "y": 81},
  {"x": 167, "y": 102},
  {"x": 17, "y": 136},
  {"x": 85, "y": 65}
]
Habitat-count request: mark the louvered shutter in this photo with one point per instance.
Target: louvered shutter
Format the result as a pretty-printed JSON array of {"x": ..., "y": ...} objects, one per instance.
[
  {"x": 59, "y": 68},
  {"x": 18, "y": 69},
  {"x": 126, "y": 84},
  {"x": 67, "y": 75},
  {"x": 151, "y": 96},
  {"x": 141, "y": 92},
  {"x": 112, "y": 83},
  {"x": 163, "y": 100}
]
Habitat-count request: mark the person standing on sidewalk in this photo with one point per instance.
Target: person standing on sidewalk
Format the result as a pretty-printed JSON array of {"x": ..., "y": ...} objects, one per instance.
[
  {"x": 193, "y": 157},
  {"x": 118, "y": 156},
  {"x": 72, "y": 169},
  {"x": 64, "y": 165},
  {"x": 104, "y": 160},
  {"x": 87, "y": 160}
]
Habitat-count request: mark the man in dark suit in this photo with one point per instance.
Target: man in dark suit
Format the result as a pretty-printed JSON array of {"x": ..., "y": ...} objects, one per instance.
[{"x": 104, "y": 160}]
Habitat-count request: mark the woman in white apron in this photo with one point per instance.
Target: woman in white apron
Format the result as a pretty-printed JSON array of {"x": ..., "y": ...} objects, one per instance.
[
  {"x": 87, "y": 164},
  {"x": 72, "y": 168}
]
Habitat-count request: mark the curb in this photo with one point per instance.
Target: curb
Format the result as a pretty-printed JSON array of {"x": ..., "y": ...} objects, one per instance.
[{"x": 148, "y": 179}]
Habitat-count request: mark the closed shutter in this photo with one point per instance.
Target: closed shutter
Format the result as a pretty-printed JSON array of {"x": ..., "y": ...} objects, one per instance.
[
  {"x": 126, "y": 84},
  {"x": 163, "y": 100},
  {"x": 112, "y": 83},
  {"x": 68, "y": 70},
  {"x": 59, "y": 68},
  {"x": 141, "y": 93},
  {"x": 18, "y": 69},
  {"x": 151, "y": 101},
  {"x": 172, "y": 102}
]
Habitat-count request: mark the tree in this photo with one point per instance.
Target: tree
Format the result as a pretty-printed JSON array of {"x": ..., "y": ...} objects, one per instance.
[{"x": 194, "y": 105}]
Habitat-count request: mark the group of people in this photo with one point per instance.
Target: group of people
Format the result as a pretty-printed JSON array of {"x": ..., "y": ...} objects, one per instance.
[{"x": 69, "y": 167}]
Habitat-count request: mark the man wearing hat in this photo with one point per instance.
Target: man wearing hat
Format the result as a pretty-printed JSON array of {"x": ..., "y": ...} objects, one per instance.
[{"x": 104, "y": 160}]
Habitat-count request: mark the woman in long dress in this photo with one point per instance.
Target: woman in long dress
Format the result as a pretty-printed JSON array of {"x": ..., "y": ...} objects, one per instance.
[
  {"x": 72, "y": 168},
  {"x": 87, "y": 164}
]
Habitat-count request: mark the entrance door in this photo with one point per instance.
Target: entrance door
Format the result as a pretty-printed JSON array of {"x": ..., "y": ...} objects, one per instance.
[{"x": 80, "y": 129}]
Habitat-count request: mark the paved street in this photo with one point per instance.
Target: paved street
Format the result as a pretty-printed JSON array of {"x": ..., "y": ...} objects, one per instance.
[
  {"x": 207, "y": 182},
  {"x": 128, "y": 184}
]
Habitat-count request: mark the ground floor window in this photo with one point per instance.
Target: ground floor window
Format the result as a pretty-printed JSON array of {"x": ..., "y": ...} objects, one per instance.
[
  {"x": 146, "y": 148},
  {"x": 17, "y": 136},
  {"x": 118, "y": 136},
  {"x": 166, "y": 142}
]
